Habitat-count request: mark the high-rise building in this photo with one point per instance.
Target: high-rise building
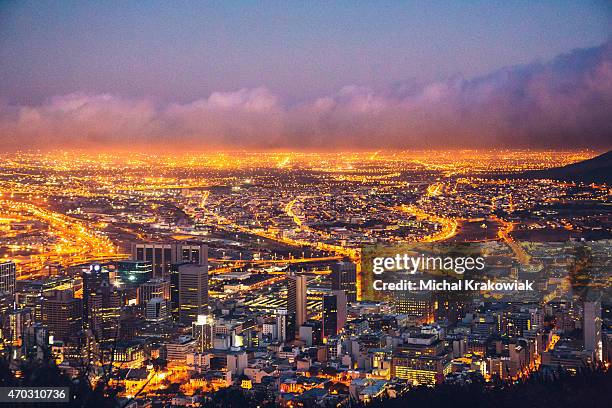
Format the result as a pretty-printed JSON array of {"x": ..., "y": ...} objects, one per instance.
[
  {"x": 156, "y": 309},
  {"x": 163, "y": 254},
  {"x": 105, "y": 310},
  {"x": 421, "y": 360},
  {"x": 202, "y": 332},
  {"x": 418, "y": 306},
  {"x": 156, "y": 287},
  {"x": 36, "y": 342},
  {"x": 284, "y": 327},
  {"x": 7, "y": 303},
  {"x": 62, "y": 315},
  {"x": 451, "y": 306},
  {"x": 92, "y": 280},
  {"x": 592, "y": 329},
  {"x": 344, "y": 277},
  {"x": 19, "y": 321},
  {"x": 296, "y": 298},
  {"x": 334, "y": 313},
  {"x": 193, "y": 291},
  {"x": 32, "y": 293},
  {"x": 30, "y": 298},
  {"x": 174, "y": 290},
  {"x": 8, "y": 273},
  {"x": 134, "y": 272}
]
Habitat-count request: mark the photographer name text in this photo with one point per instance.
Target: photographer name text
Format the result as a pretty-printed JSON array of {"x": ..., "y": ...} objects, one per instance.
[{"x": 456, "y": 285}]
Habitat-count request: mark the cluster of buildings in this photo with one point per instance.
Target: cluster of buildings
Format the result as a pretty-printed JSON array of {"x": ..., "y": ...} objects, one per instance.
[
  {"x": 154, "y": 325},
  {"x": 161, "y": 322}
]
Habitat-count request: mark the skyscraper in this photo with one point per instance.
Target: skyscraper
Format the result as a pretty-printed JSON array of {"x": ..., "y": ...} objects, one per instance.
[
  {"x": 450, "y": 306},
  {"x": 62, "y": 315},
  {"x": 514, "y": 324},
  {"x": 156, "y": 309},
  {"x": 105, "y": 308},
  {"x": 592, "y": 328},
  {"x": 422, "y": 359},
  {"x": 19, "y": 320},
  {"x": 174, "y": 290},
  {"x": 164, "y": 254},
  {"x": 202, "y": 331},
  {"x": 296, "y": 299},
  {"x": 92, "y": 280},
  {"x": 417, "y": 305},
  {"x": 334, "y": 313},
  {"x": 285, "y": 329},
  {"x": 344, "y": 277},
  {"x": 156, "y": 287},
  {"x": 193, "y": 291},
  {"x": 8, "y": 271}
]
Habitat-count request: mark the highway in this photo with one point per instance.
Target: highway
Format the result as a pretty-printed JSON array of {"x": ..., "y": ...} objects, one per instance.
[
  {"x": 449, "y": 229},
  {"x": 76, "y": 243}
]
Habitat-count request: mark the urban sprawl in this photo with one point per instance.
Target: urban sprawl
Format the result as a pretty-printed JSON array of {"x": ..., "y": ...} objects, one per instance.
[{"x": 166, "y": 278}]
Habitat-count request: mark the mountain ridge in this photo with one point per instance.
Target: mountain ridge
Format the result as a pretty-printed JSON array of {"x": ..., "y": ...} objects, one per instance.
[{"x": 597, "y": 169}]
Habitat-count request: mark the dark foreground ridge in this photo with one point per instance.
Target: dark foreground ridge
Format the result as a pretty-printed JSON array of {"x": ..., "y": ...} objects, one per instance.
[{"x": 590, "y": 387}]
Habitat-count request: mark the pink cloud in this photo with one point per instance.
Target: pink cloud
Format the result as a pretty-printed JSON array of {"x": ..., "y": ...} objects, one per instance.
[{"x": 564, "y": 103}]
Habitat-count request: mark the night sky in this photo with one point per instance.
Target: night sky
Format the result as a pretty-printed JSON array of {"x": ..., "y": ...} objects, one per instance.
[{"x": 306, "y": 75}]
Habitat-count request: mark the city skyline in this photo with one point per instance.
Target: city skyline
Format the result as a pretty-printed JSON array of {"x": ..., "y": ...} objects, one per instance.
[
  {"x": 174, "y": 279},
  {"x": 306, "y": 204}
]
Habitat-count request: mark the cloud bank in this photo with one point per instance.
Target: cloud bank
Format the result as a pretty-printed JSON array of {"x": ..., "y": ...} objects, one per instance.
[{"x": 563, "y": 103}]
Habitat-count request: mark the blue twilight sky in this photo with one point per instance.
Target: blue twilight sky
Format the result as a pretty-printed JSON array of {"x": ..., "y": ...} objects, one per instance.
[
  {"x": 305, "y": 74},
  {"x": 181, "y": 51}
]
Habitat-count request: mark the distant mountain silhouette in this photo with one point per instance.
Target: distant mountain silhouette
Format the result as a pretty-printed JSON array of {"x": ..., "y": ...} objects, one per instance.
[{"x": 595, "y": 170}]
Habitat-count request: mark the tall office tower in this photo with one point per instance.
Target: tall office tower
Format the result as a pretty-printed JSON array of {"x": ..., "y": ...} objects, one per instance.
[
  {"x": 592, "y": 329},
  {"x": 422, "y": 359},
  {"x": 92, "y": 280},
  {"x": 8, "y": 272},
  {"x": 32, "y": 293},
  {"x": 193, "y": 292},
  {"x": 61, "y": 315},
  {"x": 156, "y": 287},
  {"x": 296, "y": 299},
  {"x": 163, "y": 254},
  {"x": 134, "y": 272},
  {"x": 28, "y": 297},
  {"x": 19, "y": 321},
  {"x": 334, "y": 313},
  {"x": 285, "y": 327},
  {"x": 417, "y": 305},
  {"x": 174, "y": 290},
  {"x": 451, "y": 306},
  {"x": 344, "y": 277},
  {"x": 202, "y": 332},
  {"x": 156, "y": 309},
  {"x": 37, "y": 342},
  {"x": 105, "y": 312},
  {"x": 7, "y": 302}
]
